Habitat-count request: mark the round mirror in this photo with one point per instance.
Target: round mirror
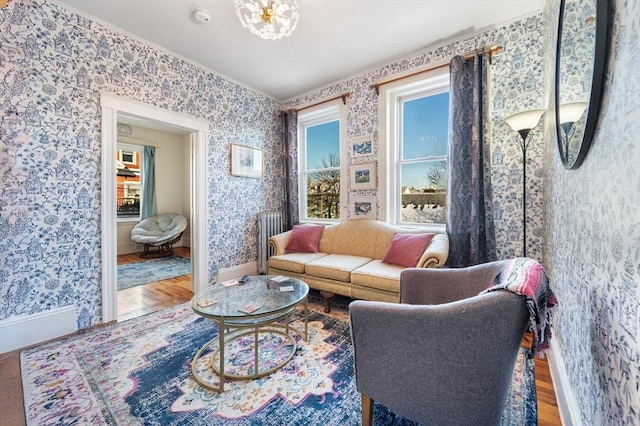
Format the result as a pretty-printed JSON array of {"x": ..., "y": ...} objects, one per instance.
[{"x": 580, "y": 60}]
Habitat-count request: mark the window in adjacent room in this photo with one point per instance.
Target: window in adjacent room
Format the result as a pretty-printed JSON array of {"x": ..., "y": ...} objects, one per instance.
[
  {"x": 414, "y": 162},
  {"x": 128, "y": 182},
  {"x": 320, "y": 167}
]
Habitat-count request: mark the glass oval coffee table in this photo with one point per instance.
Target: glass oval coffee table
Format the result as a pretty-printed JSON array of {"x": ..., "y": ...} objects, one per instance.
[{"x": 263, "y": 305}]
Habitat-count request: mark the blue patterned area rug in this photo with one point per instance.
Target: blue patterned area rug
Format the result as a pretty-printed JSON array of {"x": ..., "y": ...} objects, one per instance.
[
  {"x": 139, "y": 273},
  {"x": 138, "y": 372}
]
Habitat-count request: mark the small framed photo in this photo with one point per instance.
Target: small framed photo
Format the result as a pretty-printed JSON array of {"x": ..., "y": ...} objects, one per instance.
[
  {"x": 363, "y": 176},
  {"x": 363, "y": 208},
  {"x": 362, "y": 146},
  {"x": 246, "y": 161}
]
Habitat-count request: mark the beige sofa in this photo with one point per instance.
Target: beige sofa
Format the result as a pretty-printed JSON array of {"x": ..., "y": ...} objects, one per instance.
[{"x": 349, "y": 260}]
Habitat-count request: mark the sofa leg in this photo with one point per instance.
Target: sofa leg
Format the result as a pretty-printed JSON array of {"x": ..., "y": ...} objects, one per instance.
[{"x": 327, "y": 300}]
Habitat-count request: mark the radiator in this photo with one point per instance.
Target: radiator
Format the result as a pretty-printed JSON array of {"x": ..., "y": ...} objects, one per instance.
[{"x": 269, "y": 223}]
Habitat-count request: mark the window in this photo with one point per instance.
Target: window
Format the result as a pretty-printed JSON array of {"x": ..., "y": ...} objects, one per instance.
[
  {"x": 128, "y": 188},
  {"x": 414, "y": 162},
  {"x": 128, "y": 157},
  {"x": 320, "y": 167}
]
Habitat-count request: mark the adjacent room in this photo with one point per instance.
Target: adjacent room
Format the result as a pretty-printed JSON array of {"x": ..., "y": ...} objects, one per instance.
[{"x": 320, "y": 212}]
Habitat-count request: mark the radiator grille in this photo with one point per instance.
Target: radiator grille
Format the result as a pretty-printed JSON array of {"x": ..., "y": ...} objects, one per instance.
[{"x": 269, "y": 224}]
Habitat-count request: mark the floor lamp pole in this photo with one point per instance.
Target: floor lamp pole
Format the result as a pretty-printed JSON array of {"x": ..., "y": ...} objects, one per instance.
[{"x": 524, "y": 133}]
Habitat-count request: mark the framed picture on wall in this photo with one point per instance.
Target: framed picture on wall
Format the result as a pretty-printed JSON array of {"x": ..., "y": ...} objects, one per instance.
[
  {"x": 363, "y": 176},
  {"x": 246, "y": 161},
  {"x": 362, "y": 146},
  {"x": 363, "y": 208}
]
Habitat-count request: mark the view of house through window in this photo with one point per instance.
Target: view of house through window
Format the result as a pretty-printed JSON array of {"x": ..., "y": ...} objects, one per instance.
[
  {"x": 414, "y": 169},
  {"x": 320, "y": 166},
  {"x": 423, "y": 159},
  {"x": 128, "y": 188}
]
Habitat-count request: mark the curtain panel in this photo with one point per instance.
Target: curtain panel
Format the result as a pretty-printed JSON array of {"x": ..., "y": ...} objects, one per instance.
[
  {"x": 470, "y": 222},
  {"x": 290, "y": 165},
  {"x": 149, "y": 204}
]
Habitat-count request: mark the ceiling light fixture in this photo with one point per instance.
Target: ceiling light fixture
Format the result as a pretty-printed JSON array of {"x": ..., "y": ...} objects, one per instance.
[{"x": 269, "y": 19}]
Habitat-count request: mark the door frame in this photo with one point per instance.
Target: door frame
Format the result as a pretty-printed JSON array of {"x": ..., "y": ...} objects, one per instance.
[{"x": 197, "y": 128}]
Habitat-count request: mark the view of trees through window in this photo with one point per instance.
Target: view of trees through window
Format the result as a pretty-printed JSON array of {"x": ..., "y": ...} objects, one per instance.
[
  {"x": 322, "y": 170},
  {"x": 423, "y": 159}
]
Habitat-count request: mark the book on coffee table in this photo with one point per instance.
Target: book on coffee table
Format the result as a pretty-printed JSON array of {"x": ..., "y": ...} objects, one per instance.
[
  {"x": 249, "y": 309},
  {"x": 229, "y": 283}
]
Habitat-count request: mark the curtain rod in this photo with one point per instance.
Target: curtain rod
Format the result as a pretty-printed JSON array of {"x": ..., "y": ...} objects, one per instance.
[
  {"x": 344, "y": 97},
  {"x": 466, "y": 56}
]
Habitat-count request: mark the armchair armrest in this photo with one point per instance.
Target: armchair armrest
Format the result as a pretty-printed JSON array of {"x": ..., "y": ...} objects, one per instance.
[
  {"x": 436, "y": 253},
  {"x": 432, "y": 286},
  {"x": 279, "y": 242}
]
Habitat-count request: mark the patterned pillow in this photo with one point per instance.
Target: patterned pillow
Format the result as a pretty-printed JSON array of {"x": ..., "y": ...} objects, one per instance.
[
  {"x": 406, "y": 249},
  {"x": 304, "y": 239}
]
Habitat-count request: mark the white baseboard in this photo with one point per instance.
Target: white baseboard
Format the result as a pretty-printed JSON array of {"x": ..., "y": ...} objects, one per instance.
[
  {"x": 18, "y": 332},
  {"x": 567, "y": 405},
  {"x": 250, "y": 268}
]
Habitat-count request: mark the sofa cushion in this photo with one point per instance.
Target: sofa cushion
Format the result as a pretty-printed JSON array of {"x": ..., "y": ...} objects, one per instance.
[
  {"x": 406, "y": 249},
  {"x": 379, "y": 275},
  {"x": 335, "y": 266},
  {"x": 304, "y": 238},
  {"x": 293, "y": 262}
]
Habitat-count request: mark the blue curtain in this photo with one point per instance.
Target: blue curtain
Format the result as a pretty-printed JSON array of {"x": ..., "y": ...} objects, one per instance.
[
  {"x": 149, "y": 205},
  {"x": 290, "y": 165},
  {"x": 470, "y": 222}
]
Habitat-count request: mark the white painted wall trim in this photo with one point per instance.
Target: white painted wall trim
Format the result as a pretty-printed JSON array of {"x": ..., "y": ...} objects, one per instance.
[
  {"x": 567, "y": 405},
  {"x": 249, "y": 268},
  {"x": 113, "y": 105},
  {"x": 18, "y": 332}
]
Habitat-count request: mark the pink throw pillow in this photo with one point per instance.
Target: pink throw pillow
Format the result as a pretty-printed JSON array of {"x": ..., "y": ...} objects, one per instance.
[
  {"x": 406, "y": 249},
  {"x": 304, "y": 239}
]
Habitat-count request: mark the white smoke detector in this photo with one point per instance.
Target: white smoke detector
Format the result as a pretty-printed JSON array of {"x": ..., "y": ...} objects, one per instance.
[{"x": 201, "y": 16}]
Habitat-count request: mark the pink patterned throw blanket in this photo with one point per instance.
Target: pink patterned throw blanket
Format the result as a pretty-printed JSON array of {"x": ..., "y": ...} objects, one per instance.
[{"x": 526, "y": 277}]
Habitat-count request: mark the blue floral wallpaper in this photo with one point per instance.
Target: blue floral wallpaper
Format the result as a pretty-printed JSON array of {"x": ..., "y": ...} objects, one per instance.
[
  {"x": 517, "y": 84},
  {"x": 592, "y": 249},
  {"x": 53, "y": 63}
]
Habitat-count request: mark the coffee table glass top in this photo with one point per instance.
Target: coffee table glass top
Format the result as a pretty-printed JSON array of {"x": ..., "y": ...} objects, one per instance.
[{"x": 258, "y": 297}]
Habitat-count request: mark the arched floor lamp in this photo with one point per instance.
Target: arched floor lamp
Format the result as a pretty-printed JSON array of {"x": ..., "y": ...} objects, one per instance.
[{"x": 523, "y": 122}]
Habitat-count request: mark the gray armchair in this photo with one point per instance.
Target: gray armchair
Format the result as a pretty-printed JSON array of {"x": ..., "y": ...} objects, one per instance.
[{"x": 445, "y": 354}]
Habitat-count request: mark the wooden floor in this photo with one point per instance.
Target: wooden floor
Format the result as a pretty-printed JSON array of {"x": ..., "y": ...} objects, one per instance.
[
  {"x": 152, "y": 297},
  {"x": 144, "y": 299}
]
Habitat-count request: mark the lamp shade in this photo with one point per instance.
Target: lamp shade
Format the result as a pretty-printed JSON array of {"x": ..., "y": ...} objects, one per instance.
[
  {"x": 525, "y": 120},
  {"x": 572, "y": 111}
]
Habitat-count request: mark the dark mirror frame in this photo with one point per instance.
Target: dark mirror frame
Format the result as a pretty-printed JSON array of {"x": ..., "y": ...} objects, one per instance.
[{"x": 593, "y": 107}]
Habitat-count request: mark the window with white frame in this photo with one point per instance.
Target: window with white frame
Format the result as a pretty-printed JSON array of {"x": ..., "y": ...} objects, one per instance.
[
  {"x": 414, "y": 164},
  {"x": 128, "y": 181},
  {"x": 321, "y": 159}
]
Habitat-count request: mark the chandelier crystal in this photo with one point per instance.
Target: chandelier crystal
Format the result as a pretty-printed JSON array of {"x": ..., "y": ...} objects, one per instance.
[{"x": 269, "y": 19}]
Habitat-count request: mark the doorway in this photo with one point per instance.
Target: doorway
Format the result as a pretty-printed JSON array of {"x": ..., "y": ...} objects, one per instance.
[{"x": 196, "y": 131}]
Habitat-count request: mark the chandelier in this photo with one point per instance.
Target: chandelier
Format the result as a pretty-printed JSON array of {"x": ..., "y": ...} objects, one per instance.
[{"x": 269, "y": 19}]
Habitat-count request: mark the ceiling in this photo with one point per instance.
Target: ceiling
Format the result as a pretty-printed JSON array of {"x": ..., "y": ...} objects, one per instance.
[{"x": 335, "y": 39}]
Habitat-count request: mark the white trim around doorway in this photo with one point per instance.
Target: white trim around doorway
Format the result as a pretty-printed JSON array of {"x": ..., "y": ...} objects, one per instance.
[{"x": 112, "y": 105}]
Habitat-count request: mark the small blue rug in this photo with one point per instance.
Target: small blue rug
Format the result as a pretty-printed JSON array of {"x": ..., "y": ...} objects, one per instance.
[{"x": 134, "y": 274}]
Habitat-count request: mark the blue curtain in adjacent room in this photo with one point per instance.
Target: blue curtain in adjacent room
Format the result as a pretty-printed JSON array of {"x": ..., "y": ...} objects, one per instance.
[
  {"x": 149, "y": 205},
  {"x": 290, "y": 165},
  {"x": 470, "y": 223}
]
